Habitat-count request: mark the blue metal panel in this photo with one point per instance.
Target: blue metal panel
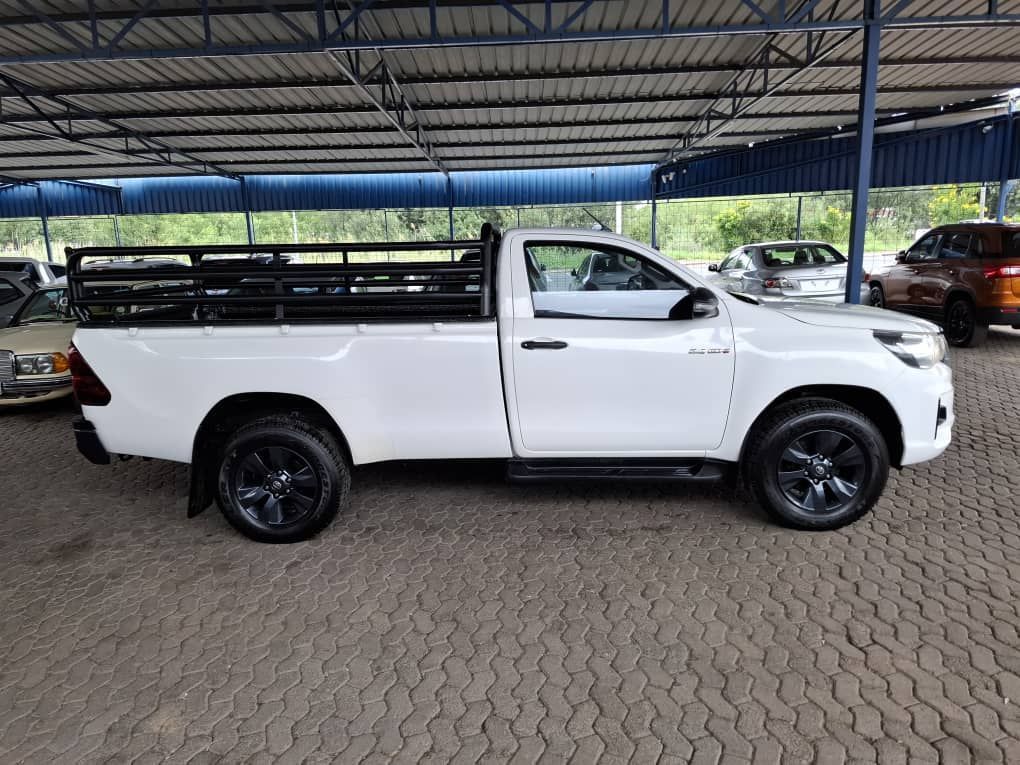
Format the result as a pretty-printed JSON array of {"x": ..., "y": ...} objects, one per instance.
[
  {"x": 175, "y": 195},
  {"x": 138, "y": 196},
  {"x": 971, "y": 152},
  {"x": 559, "y": 186},
  {"x": 61, "y": 199},
  {"x": 347, "y": 192}
]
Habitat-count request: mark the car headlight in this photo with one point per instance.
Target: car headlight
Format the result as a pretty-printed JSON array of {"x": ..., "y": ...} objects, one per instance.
[
  {"x": 41, "y": 364},
  {"x": 922, "y": 350}
]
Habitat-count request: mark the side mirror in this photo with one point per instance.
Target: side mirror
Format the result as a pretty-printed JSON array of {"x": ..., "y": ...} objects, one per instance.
[
  {"x": 901, "y": 256},
  {"x": 713, "y": 266},
  {"x": 573, "y": 272},
  {"x": 541, "y": 266},
  {"x": 699, "y": 304}
]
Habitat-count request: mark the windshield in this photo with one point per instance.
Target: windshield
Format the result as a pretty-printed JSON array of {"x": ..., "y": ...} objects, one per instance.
[
  {"x": 46, "y": 305},
  {"x": 783, "y": 255}
]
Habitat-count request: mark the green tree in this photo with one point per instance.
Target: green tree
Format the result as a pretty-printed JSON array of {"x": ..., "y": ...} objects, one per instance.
[
  {"x": 747, "y": 222},
  {"x": 952, "y": 204}
]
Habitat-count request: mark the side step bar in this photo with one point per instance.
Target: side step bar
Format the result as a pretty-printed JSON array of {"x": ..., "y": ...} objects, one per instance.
[{"x": 653, "y": 469}]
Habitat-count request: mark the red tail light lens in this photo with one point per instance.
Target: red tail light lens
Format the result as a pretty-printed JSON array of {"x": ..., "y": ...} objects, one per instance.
[
  {"x": 1002, "y": 272},
  {"x": 88, "y": 388}
]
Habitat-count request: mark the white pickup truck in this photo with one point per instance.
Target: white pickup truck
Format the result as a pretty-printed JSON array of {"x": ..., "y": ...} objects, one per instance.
[{"x": 273, "y": 377}]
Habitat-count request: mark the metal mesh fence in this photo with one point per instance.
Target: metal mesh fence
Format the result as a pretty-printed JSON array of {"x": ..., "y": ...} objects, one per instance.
[{"x": 696, "y": 230}]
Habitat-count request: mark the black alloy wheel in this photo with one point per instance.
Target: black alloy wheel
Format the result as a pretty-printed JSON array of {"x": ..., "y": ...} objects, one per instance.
[{"x": 821, "y": 472}]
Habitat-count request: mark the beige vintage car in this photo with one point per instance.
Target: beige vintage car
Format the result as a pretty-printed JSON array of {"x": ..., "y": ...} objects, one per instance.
[{"x": 33, "y": 350}]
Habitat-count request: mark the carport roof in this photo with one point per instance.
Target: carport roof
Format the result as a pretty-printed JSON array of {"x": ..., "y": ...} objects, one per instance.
[{"x": 133, "y": 89}]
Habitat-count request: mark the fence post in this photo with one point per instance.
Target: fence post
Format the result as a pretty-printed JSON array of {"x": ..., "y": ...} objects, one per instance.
[{"x": 116, "y": 231}]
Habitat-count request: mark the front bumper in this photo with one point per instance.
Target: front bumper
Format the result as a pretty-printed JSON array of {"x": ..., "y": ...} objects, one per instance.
[
  {"x": 26, "y": 390},
  {"x": 928, "y": 415},
  {"x": 88, "y": 442}
]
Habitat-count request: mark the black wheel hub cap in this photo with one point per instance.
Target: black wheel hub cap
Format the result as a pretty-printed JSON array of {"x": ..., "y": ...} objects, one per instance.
[
  {"x": 959, "y": 321},
  {"x": 275, "y": 486},
  {"x": 821, "y": 472}
]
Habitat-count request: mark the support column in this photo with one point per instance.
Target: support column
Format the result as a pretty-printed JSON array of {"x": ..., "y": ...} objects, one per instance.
[
  {"x": 800, "y": 209},
  {"x": 865, "y": 142},
  {"x": 248, "y": 220},
  {"x": 45, "y": 218},
  {"x": 1007, "y": 160},
  {"x": 116, "y": 231}
]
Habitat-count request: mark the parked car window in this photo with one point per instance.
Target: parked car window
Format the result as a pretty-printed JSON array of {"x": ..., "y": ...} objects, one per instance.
[
  {"x": 1012, "y": 248},
  {"x": 58, "y": 270},
  {"x": 731, "y": 260},
  {"x": 619, "y": 284},
  {"x": 923, "y": 249},
  {"x": 45, "y": 305},
  {"x": 8, "y": 292},
  {"x": 956, "y": 246},
  {"x": 800, "y": 255}
]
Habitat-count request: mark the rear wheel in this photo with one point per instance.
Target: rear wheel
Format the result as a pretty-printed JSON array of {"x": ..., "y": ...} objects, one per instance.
[
  {"x": 876, "y": 296},
  {"x": 817, "y": 464},
  {"x": 962, "y": 326},
  {"x": 282, "y": 479}
]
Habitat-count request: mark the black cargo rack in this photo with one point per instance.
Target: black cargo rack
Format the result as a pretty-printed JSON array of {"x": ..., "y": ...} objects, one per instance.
[{"x": 258, "y": 283}]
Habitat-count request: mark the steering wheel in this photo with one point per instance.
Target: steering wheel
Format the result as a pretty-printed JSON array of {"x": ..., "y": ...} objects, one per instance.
[{"x": 637, "y": 282}]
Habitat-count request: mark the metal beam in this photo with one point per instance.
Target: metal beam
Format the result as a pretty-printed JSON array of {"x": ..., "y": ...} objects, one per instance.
[
  {"x": 134, "y": 87},
  {"x": 167, "y": 155},
  {"x": 202, "y": 30},
  {"x": 864, "y": 145},
  {"x": 758, "y": 81},
  {"x": 233, "y": 130},
  {"x": 746, "y": 99}
]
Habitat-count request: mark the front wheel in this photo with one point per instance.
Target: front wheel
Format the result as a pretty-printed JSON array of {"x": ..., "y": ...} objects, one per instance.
[
  {"x": 282, "y": 479},
  {"x": 817, "y": 464}
]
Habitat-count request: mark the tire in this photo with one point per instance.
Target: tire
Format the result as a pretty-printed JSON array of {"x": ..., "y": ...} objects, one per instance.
[
  {"x": 876, "y": 296},
  {"x": 282, "y": 479},
  {"x": 962, "y": 327},
  {"x": 815, "y": 434}
]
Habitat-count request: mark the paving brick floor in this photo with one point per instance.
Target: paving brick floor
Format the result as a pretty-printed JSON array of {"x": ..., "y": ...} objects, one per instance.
[{"x": 452, "y": 617}]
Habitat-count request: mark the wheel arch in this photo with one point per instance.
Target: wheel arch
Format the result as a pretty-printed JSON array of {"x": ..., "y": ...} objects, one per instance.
[
  {"x": 868, "y": 401},
  {"x": 955, "y": 293},
  {"x": 230, "y": 412}
]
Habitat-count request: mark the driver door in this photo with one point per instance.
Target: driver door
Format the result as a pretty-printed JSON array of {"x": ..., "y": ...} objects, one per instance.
[
  {"x": 606, "y": 372},
  {"x": 903, "y": 282}
]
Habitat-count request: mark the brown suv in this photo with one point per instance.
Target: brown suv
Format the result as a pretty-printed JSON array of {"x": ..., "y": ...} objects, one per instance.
[{"x": 965, "y": 275}]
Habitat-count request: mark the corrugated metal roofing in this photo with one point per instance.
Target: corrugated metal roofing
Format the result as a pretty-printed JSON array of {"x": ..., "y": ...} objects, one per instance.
[
  {"x": 331, "y": 192},
  {"x": 536, "y": 104},
  {"x": 976, "y": 151}
]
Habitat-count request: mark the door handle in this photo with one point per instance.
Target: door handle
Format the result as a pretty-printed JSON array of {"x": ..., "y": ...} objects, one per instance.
[{"x": 551, "y": 345}]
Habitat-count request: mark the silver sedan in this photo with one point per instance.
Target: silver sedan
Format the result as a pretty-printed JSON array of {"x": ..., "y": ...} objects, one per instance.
[{"x": 785, "y": 271}]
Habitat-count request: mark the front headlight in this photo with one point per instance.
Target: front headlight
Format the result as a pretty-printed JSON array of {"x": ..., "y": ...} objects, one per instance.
[
  {"x": 41, "y": 364},
  {"x": 922, "y": 350}
]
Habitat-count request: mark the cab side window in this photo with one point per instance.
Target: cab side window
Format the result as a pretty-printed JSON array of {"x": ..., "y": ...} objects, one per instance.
[
  {"x": 8, "y": 292},
  {"x": 618, "y": 285},
  {"x": 956, "y": 246},
  {"x": 924, "y": 249}
]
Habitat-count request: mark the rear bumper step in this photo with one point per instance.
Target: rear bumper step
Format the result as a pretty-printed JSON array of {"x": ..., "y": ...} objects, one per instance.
[
  {"x": 617, "y": 469},
  {"x": 88, "y": 442}
]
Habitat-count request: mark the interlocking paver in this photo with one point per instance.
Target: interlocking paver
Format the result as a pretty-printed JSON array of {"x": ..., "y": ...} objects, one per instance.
[{"x": 449, "y": 617}]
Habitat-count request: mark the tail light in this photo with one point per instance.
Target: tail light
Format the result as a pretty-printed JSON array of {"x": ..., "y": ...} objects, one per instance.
[
  {"x": 1002, "y": 272},
  {"x": 775, "y": 284},
  {"x": 88, "y": 388}
]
